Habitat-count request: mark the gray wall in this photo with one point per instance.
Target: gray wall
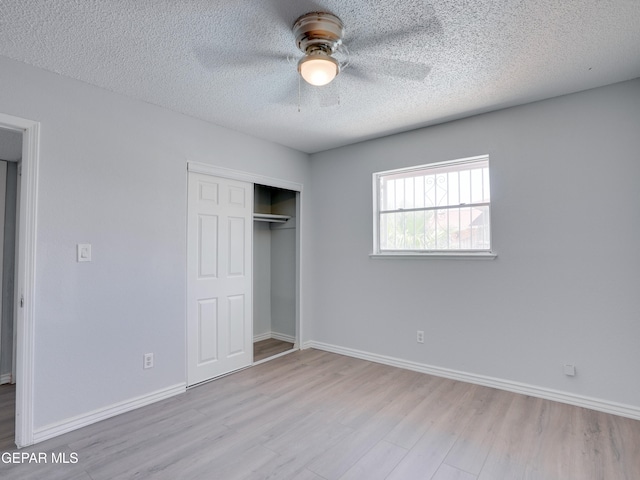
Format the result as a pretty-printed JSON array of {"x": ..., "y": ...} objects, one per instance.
[
  {"x": 283, "y": 264},
  {"x": 113, "y": 174},
  {"x": 566, "y": 223},
  {"x": 10, "y": 145},
  {"x": 563, "y": 288},
  {"x": 274, "y": 275},
  {"x": 283, "y": 279},
  {"x": 261, "y": 278}
]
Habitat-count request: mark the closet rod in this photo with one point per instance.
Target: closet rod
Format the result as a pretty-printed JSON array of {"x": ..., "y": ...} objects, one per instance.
[{"x": 269, "y": 217}]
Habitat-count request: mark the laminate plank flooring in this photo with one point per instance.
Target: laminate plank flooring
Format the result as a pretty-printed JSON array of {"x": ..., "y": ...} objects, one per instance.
[
  {"x": 269, "y": 347},
  {"x": 313, "y": 415},
  {"x": 7, "y": 416}
]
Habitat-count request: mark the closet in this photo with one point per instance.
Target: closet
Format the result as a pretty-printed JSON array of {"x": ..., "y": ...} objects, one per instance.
[
  {"x": 243, "y": 246},
  {"x": 274, "y": 271}
]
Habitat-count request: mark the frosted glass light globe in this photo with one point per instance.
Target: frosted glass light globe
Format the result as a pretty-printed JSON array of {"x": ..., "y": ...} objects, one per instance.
[{"x": 318, "y": 69}]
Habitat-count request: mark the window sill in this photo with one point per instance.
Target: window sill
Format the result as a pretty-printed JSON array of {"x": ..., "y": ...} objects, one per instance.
[{"x": 435, "y": 255}]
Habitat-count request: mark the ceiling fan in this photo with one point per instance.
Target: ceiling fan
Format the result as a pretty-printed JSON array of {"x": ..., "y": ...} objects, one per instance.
[{"x": 319, "y": 35}]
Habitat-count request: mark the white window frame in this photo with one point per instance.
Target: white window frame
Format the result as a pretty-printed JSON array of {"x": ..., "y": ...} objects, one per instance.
[{"x": 437, "y": 254}]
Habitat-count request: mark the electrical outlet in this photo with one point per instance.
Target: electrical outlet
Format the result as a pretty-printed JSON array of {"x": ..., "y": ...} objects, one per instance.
[
  {"x": 420, "y": 336},
  {"x": 147, "y": 361},
  {"x": 570, "y": 370}
]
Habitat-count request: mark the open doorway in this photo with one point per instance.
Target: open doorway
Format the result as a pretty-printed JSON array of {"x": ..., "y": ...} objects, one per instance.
[
  {"x": 275, "y": 260},
  {"x": 10, "y": 158},
  {"x": 28, "y": 132}
]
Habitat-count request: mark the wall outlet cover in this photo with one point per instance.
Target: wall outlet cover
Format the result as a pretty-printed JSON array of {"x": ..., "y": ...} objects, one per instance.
[
  {"x": 147, "y": 360},
  {"x": 83, "y": 252}
]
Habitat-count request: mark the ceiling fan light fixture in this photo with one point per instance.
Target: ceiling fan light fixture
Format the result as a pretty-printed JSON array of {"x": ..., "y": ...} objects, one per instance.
[{"x": 318, "y": 69}]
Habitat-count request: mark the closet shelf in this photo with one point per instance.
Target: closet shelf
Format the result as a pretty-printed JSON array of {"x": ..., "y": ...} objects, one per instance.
[{"x": 269, "y": 217}]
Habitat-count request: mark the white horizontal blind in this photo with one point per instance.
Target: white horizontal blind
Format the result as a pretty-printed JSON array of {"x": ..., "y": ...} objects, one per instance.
[{"x": 441, "y": 207}]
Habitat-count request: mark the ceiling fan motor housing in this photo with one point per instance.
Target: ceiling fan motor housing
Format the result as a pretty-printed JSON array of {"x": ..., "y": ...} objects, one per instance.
[{"x": 318, "y": 33}]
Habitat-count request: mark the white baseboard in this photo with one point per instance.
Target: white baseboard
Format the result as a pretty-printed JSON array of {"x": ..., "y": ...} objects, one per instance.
[
  {"x": 5, "y": 378},
  {"x": 80, "y": 421},
  {"x": 605, "y": 406},
  {"x": 261, "y": 337},
  {"x": 276, "y": 335},
  {"x": 283, "y": 337}
]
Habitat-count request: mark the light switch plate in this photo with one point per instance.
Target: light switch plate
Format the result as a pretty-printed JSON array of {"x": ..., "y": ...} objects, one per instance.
[{"x": 84, "y": 252}]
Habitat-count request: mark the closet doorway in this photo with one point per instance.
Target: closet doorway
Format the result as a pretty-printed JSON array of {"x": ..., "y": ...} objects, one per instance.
[
  {"x": 274, "y": 272},
  {"x": 268, "y": 325}
]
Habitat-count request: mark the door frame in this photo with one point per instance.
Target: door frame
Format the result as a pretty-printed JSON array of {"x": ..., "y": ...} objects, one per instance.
[
  {"x": 254, "y": 178},
  {"x": 25, "y": 289}
]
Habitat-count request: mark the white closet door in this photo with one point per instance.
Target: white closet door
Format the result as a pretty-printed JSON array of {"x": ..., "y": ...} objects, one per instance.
[{"x": 219, "y": 273}]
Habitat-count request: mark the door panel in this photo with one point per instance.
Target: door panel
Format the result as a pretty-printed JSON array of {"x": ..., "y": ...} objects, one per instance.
[
  {"x": 237, "y": 229},
  {"x": 219, "y": 305},
  {"x": 236, "y": 324},
  {"x": 207, "y": 330},
  {"x": 208, "y": 238}
]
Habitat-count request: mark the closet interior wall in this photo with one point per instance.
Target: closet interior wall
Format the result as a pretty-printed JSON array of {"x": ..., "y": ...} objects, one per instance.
[{"x": 274, "y": 274}]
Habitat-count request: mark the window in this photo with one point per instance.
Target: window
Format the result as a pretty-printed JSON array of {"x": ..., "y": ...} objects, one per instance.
[{"x": 438, "y": 209}]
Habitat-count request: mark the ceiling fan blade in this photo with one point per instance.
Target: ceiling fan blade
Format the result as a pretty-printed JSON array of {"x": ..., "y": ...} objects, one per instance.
[
  {"x": 394, "y": 68},
  {"x": 329, "y": 95},
  {"x": 416, "y": 35},
  {"x": 357, "y": 72},
  {"x": 289, "y": 93},
  {"x": 213, "y": 59}
]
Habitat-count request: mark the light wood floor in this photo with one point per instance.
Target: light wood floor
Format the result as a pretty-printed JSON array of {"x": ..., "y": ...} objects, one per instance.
[
  {"x": 7, "y": 418},
  {"x": 313, "y": 415},
  {"x": 268, "y": 348}
]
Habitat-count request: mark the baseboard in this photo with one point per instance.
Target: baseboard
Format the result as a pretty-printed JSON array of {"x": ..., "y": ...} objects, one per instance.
[
  {"x": 605, "y": 406},
  {"x": 276, "y": 335},
  {"x": 95, "y": 416},
  {"x": 283, "y": 337},
  {"x": 5, "y": 378},
  {"x": 261, "y": 337}
]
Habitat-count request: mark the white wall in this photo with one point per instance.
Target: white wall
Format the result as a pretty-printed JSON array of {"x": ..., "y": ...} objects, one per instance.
[
  {"x": 113, "y": 174},
  {"x": 566, "y": 223}
]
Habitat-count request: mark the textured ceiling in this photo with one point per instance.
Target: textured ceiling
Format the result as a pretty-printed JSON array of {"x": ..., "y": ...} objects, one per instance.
[{"x": 412, "y": 63}]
